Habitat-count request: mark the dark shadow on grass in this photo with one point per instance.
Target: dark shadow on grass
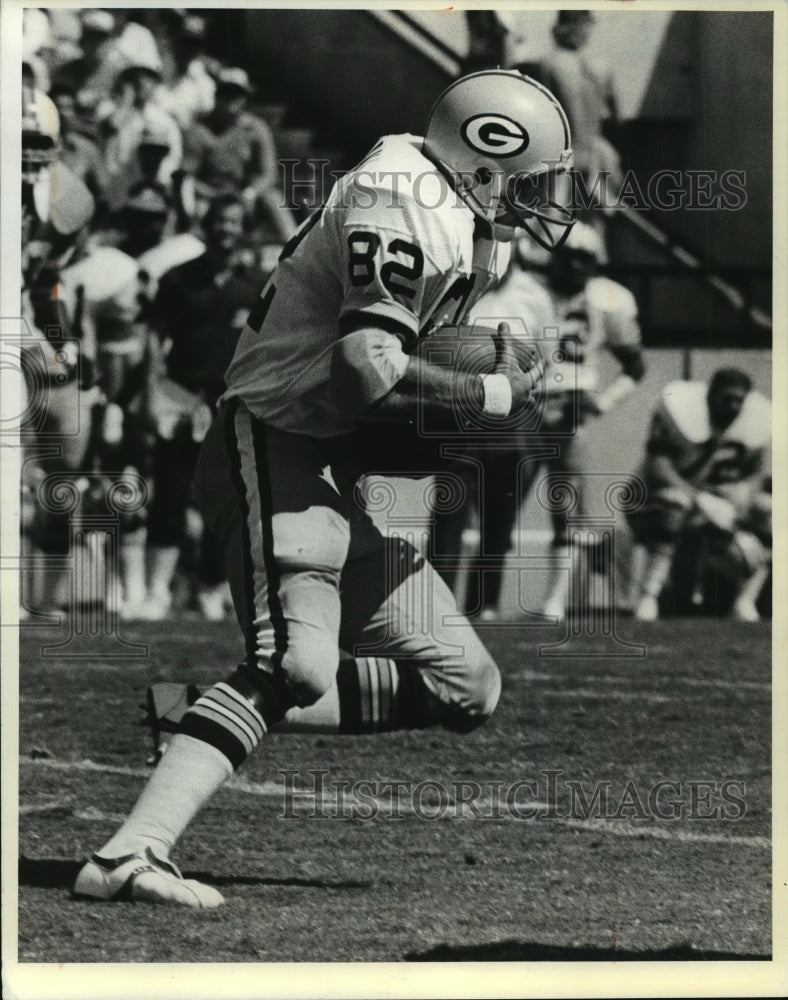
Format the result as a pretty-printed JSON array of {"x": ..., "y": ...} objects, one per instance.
[
  {"x": 525, "y": 951},
  {"x": 301, "y": 883},
  {"x": 59, "y": 873},
  {"x": 48, "y": 873}
]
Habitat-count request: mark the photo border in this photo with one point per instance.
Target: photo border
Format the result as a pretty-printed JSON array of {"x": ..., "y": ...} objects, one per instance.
[{"x": 598, "y": 979}]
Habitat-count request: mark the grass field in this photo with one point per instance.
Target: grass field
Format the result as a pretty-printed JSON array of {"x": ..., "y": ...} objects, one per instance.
[{"x": 567, "y": 884}]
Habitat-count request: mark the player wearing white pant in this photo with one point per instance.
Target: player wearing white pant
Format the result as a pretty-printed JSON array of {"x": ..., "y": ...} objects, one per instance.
[
  {"x": 309, "y": 568},
  {"x": 329, "y": 344}
]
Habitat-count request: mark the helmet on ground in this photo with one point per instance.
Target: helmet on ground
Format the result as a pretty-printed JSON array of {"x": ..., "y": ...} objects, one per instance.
[{"x": 503, "y": 139}]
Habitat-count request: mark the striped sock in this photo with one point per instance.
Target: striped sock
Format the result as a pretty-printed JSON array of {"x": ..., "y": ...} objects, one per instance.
[
  {"x": 368, "y": 690},
  {"x": 371, "y": 694},
  {"x": 227, "y": 720}
]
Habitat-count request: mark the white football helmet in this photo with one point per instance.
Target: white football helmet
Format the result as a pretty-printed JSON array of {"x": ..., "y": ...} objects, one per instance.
[
  {"x": 40, "y": 133},
  {"x": 503, "y": 140}
]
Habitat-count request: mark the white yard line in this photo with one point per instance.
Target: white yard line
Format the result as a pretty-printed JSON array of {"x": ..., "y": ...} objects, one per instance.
[
  {"x": 33, "y": 808},
  {"x": 610, "y": 695},
  {"x": 622, "y": 828},
  {"x": 700, "y": 682},
  {"x": 538, "y": 677},
  {"x": 305, "y": 803}
]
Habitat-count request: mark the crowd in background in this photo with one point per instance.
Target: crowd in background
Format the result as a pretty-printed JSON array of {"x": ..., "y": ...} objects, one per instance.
[
  {"x": 185, "y": 222},
  {"x": 142, "y": 104}
]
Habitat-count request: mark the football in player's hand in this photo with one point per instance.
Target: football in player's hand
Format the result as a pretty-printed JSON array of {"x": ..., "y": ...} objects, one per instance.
[{"x": 478, "y": 349}]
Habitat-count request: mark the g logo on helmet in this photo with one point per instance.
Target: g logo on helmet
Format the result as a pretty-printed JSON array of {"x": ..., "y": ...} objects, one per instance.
[{"x": 495, "y": 135}]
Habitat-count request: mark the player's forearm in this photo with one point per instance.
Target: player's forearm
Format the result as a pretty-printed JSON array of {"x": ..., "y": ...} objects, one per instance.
[
  {"x": 372, "y": 377},
  {"x": 267, "y": 164},
  {"x": 428, "y": 389}
]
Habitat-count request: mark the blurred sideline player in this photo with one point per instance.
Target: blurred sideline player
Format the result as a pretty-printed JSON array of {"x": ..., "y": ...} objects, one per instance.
[
  {"x": 120, "y": 276},
  {"x": 105, "y": 280},
  {"x": 329, "y": 344},
  {"x": 59, "y": 366},
  {"x": 705, "y": 469},
  {"x": 580, "y": 314}
]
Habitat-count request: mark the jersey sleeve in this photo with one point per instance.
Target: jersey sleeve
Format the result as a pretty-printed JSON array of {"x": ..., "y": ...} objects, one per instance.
[{"x": 396, "y": 256}]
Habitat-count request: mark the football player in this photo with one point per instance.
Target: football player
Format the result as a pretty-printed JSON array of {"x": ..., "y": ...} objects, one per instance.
[
  {"x": 580, "y": 314},
  {"x": 59, "y": 366},
  {"x": 406, "y": 242},
  {"x": 119, "y": 274},
  {"x": 592, "y": 315},
  {"x": 104, "y": 282},
  {"x": 704, "y": 470}
]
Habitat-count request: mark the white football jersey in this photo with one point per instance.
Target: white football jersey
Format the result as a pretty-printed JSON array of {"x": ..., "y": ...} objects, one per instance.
[
  {"x": 393, "y": 247},
  {"x": 681, "y": 428},
  {"x": 571, "y": 330},
  {"x": 107, "y": 277}
]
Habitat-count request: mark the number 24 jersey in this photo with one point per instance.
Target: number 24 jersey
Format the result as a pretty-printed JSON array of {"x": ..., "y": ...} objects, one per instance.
[{"x": 393, "y": 248}]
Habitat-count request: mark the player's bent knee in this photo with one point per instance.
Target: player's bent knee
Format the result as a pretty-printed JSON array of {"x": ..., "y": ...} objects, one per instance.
[
  {"x": 309, "y": 668},
  {"x": 479, "y": 697},
  {"x": 486, "y": 691}
]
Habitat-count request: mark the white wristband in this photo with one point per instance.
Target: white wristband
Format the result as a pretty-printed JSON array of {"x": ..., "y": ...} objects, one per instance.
[{"x": 497, "y": 395}]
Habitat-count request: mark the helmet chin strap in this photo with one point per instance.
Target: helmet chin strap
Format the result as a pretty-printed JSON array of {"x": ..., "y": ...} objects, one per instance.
[
  {"x": 505, "y": 234},
  {"x": 486, "y": 208},
  {"x": 486, "y": 214},
  {"x": 496, "y": 193}
]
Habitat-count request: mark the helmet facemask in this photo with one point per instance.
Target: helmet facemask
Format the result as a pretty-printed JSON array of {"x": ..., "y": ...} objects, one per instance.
[
  {"x": 39, "y": 152},
  {"x": 541, "y": 204}
]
